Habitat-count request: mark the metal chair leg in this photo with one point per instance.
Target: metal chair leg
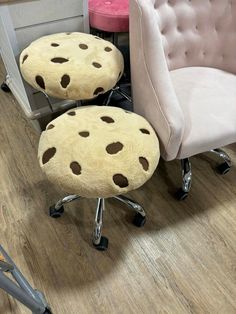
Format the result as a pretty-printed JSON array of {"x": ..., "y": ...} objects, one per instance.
[
  {"x": 118, "y": 90},
  {"x": 108, "y": 100},
  {"x": 130, "y": 203},
  {"x": 140, "y": 216},
  {"x": 226, "y": 165},
  {"x": 115, "y": 39},
  {"x": 56, "y": 210},
  {"x": 100, "y": 242},
  {"x": 23, "y": 292},
  {"x": 124, "y": 94},
  {"x": 47, "y": 98},
  {"x": 48, "y": 101},
  {"x": 186, "y": 174},
  {"x": 182, "y": 193}
]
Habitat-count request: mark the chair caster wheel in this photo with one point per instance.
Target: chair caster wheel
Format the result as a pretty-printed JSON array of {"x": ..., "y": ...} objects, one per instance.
[
  {"x": 181, "y": 195},
  {"x": 139, "y": 220},
  {"x": 103, "y": 245},
  {"x": 223, "y": 168},
  {"x": 47, "y": 311},
  {"x": 56, "y": 213},
  {"x": 5, "y": 88}
]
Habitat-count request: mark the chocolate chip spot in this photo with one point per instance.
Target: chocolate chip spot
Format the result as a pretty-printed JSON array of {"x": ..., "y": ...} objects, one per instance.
[
  {"x": 144, "y": 162},
  {"x": 145, "y": 131},
  {"x": 40, "y": 81},
  {"x": 98, "y": 90},
  {"x": 107, "y": 49},
  {"x": 51, "y": 126},
  {"x": 24, "y": 58},
  {"x": 71, "y": 113},
  {"x": 83, "y": 46},
  {"x": 128, "y": 111},
  {"x": 65, "y": 80},
  {"x": 54, "y": 45},
  {"x": 96, "y": 65},
  {"x": 59, "y": 60},
  {"x": 68, "y": 33},
  {"x": 107, "y": 119},
  {"x": 48, "y": 155},
  {"x": 75, "y": 167},
  {"x": 84, "y": 133},
  {"x": 120, "y": 180},
  {"x": 114, "y": 148}
]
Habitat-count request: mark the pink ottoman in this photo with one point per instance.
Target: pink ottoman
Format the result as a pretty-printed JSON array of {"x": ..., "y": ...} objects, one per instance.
[{"x": 109, "y": 15}]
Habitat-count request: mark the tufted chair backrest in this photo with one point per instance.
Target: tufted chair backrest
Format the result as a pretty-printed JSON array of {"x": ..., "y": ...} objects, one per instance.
[{"x": 197, "y": 32}]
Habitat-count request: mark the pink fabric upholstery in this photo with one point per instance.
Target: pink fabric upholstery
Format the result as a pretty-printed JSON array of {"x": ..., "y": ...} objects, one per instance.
[
  {"x": 109, "y": 15},
  {"x": 209, "y": 108},
  {"x": 170, "y": 35},
  {"x": 197, "y": 32}
]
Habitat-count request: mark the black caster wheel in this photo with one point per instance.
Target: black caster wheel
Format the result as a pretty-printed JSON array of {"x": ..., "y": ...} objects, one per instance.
[
  {"x": 139, "y": 220},
  {"x": 103, "y": 245},
  {"x": 181, "y": 195},
  {"x": 56, "y": 213},
  {"x": 223, "y": 168},
  {"x": 47, "y": 311},
  {"x": 5, "y": 88}
]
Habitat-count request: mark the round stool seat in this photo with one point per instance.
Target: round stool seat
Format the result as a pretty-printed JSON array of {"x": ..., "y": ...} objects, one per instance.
[
  {"x": 98, "y": 151},
  {"x": 72, "y": 65},
  {"x": 109, "y": 15}
]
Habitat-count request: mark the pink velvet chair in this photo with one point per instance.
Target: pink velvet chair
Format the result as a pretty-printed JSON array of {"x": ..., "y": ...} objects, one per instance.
[
  {"x": 183, "y": 66},
  {"x": 109, "y": 15}
]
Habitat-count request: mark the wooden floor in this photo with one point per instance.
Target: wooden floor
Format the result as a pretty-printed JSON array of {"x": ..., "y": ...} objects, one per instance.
[{"x": 182, "y": 261}]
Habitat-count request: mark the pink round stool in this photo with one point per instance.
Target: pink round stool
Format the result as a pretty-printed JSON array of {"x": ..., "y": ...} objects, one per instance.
[{"x": 109, "y": 15}]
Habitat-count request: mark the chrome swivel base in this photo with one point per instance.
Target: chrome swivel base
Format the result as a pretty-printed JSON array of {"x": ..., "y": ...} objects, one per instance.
[
  {"x": 223, "y": 168},
  {"x": 226, "y": 165},
  {"x": 100, "y": 242},
  {"x": 182, "y": 193}
]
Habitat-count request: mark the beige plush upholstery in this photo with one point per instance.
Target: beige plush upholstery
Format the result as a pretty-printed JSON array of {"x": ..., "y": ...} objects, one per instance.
[
  {"x": 99, "y": 151},
  {"x": 72, "y": 65},
  {"x": 183, "y": 72}
]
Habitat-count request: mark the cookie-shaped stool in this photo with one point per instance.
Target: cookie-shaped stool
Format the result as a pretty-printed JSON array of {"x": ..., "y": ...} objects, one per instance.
[
  {"x": 72, "y": 66},
  {"x": 99, "y": 152}
]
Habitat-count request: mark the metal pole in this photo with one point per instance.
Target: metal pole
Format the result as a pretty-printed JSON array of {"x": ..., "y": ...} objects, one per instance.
[
  {"x": 18, "y": 276},
  {"x": 19, "y": 294}
]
